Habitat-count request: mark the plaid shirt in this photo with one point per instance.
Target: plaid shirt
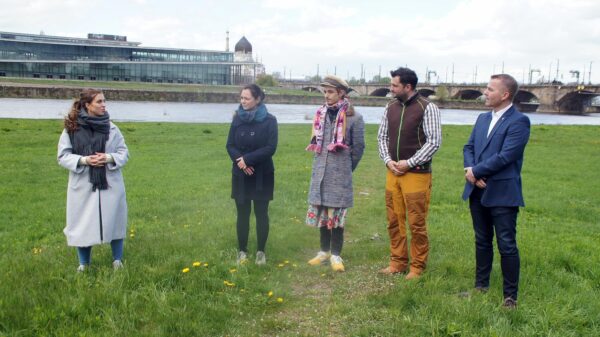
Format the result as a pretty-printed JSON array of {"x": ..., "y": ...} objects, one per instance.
[{"x": 433, "y": 137}]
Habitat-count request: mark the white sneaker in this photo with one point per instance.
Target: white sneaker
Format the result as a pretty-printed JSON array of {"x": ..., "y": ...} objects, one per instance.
[
  {"x": 261, "y": 259},
  {"x": 81, "y": 268},
  {"x": 321, "y": 258},
  {"x": 337, "y": 264},
  {"x": 117, "y": 264},
  {"x": 242, "y": 258}
]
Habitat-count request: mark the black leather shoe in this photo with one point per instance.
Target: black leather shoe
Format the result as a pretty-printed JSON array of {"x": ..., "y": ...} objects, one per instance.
[{"x": 509, "y": 303}]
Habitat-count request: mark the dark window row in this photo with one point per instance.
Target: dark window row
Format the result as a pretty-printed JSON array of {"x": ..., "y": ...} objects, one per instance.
[
  {"x": 159, "y": 73},
  {"x": 16, "y": 50}
]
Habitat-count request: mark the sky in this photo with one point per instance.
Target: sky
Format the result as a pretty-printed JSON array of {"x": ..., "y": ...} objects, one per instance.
[{"x": 301, "y": 38}]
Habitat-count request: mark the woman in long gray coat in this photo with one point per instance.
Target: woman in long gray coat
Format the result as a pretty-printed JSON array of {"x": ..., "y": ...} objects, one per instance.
[
  {"x": 338, "y": 144},
  {"x": 93, "y": 150}
]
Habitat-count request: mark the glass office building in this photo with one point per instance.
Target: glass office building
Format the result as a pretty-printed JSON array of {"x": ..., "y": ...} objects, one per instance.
[{"x": 112, "y": 58}]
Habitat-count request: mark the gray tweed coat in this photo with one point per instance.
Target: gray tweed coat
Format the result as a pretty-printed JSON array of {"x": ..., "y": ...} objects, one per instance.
[{"x": 331, "y": 180}]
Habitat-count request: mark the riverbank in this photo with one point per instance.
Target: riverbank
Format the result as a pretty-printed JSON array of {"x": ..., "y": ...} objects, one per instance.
[
  {"x": 155, "y": 92},
  {"x": 161, "y": 92}
]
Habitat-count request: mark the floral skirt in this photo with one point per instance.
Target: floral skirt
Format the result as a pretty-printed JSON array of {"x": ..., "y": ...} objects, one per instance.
[{"x": 321, "y": 216}]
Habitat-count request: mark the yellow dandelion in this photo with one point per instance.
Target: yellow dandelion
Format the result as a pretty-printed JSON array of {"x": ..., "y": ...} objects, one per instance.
[
  {"x": 270, "y": 294},
  {"x": 185, "y": 270},
  {"x": 206, "y": 264},
  {"x": 232, "y": 270},
  {"x": 229, "y": 284},
  {"x": 279, "y": 300},
  {"x": 197, "y": 264},
  {"x": 132, "y": 235},
  {"x": 323, "y": 275},
  {"x": 280, "y": 265},
  {"x": 286, "y": 261}
]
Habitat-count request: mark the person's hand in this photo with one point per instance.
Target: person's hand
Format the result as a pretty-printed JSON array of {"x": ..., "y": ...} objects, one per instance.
[
  {"x": 97, "y": 160},
  {"x": 469, "y": 176},
  {"x": 402, "y": 166},
  {"x": 240, "y": 163},
  {"x": 392, "y": 166},
  {"x": 481, "y": 183},
  {"x": 249, "y": 170}
]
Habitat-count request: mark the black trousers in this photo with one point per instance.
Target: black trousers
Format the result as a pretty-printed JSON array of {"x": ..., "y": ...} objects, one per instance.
[
  {"x": 332, "y": 240},
  {"x": 261, "y": 211},
  {"x": 502, "y": 220}
]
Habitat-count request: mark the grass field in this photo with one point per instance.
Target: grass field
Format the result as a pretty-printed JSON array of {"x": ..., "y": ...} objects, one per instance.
[
  {"x": 147, "y": 86},
  {"x": 178, "y": 185}
]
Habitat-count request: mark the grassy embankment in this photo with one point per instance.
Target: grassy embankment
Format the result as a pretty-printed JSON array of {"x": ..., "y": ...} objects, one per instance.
[
  {"x": 178, "y": 185},
  {"x": 146, "y": 86}
]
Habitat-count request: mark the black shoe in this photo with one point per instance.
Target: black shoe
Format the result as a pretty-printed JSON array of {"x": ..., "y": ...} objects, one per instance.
[{"x": 509, "y": 303}]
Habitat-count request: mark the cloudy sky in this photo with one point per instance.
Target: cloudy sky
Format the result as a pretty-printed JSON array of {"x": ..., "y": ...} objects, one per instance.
[{"x": 476, "y": 37}]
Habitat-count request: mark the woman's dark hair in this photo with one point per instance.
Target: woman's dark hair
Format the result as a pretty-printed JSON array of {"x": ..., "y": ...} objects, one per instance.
[
  {"x": 86, "y": 96},
  {"x": 255, "y": 91}
]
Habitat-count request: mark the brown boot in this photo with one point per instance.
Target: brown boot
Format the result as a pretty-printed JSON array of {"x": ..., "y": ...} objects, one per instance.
[
  {"x": 413, "y": 274},
  {"x": 391, "y": 270}
]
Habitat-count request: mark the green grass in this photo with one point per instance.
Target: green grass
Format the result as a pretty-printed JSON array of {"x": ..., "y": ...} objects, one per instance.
[
  {"x": 178, "y": 185},
  {"x": 149, "y": 86}
]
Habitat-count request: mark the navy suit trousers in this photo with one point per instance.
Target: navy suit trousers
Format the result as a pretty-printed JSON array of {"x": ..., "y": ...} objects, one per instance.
[{"x": 502, "y": 220}]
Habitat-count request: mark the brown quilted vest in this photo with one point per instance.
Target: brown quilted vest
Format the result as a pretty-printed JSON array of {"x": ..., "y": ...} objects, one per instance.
[{"x": 405, "y": 129}]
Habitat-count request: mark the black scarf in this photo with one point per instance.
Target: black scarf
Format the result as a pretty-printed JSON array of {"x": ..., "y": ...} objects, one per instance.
[
  {"x": 332, "y": 112},
  {"x": 89, "y": 138}
]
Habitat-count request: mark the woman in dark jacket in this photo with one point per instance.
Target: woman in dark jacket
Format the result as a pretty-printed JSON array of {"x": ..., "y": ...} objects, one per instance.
[{"x": 251, "y": 143}]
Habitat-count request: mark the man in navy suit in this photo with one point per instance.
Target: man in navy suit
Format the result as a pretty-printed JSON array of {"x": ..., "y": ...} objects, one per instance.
[{"x": 493, "y": 158}]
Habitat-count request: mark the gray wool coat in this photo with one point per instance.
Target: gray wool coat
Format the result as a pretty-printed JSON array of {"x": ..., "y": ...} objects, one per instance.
[
  {"x": 84, "y": 227},
  {"x": 331, "y": 180}
]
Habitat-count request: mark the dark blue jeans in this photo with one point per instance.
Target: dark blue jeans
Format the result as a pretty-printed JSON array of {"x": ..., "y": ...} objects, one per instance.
[
  {"x": 85, "y": 253},
  {"x": 502, "y": 220}
]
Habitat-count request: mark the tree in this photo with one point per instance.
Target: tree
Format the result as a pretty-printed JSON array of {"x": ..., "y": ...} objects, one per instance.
[
  {"x": 379, "y": 79},
  {"x": 266, "y": 81},
  {"x": 315, "y": 79},
  {"x": 442, "y": 93}
]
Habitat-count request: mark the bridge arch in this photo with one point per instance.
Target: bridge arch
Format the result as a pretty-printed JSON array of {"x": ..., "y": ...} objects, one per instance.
[
  {"x": 426, "y": 92},
  {"x": 526, "y": 101},
  {"x": 311, "y": 89},
  {"x": 468, "y": 94},
  {"x": 380, "y": 92},
  {"x": 576, "y": 101}
]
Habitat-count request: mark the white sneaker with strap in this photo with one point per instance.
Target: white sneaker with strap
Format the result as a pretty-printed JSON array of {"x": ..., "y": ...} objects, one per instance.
[
  {"x": 337, "y": 264},
  {"x": 320, "y": 259}
]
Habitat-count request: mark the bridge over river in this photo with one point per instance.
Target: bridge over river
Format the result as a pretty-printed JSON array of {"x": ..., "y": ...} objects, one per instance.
[{"x": 552, "y": 98}]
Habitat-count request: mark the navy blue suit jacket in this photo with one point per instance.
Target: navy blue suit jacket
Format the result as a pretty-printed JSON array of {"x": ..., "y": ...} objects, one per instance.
[{"x": 498, "y": 158}]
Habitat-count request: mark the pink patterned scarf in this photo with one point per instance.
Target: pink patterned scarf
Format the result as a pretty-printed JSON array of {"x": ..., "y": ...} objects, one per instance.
[{"x": 316, "y": 141}]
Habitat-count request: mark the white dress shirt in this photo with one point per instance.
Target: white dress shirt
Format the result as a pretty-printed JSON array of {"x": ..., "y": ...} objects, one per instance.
[{"x": 496, "y": 115}]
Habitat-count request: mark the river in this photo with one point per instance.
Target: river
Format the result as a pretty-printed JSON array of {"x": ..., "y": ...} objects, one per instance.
[{"x": 222, "y": 113}]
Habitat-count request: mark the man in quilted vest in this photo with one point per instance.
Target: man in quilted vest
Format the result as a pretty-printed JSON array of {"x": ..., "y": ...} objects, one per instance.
[{"x": 409, "y": 135}]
